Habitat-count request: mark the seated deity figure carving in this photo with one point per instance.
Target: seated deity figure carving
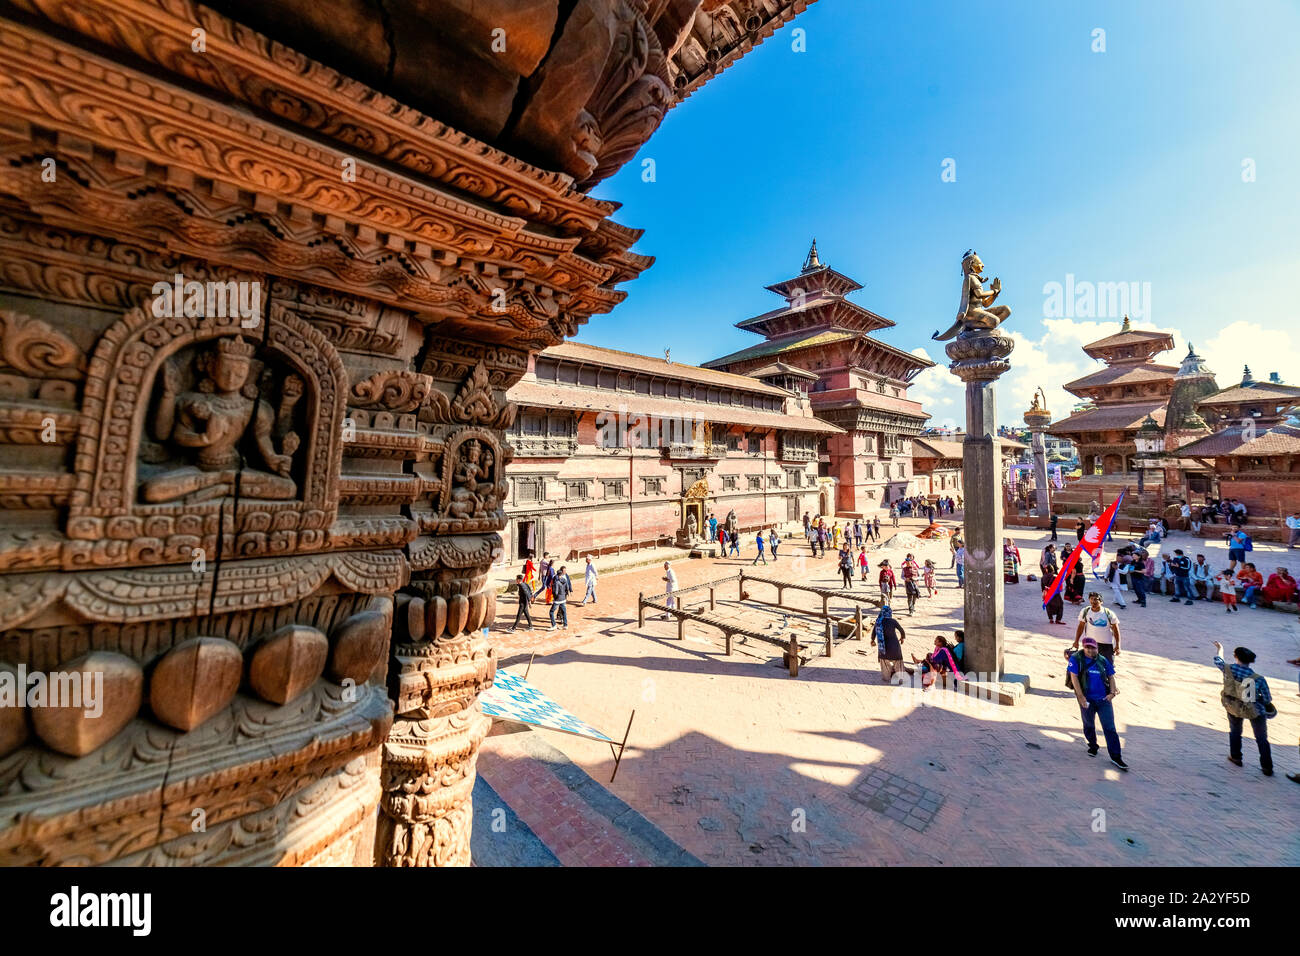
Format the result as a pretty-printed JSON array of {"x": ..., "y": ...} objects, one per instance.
[
  {"x": 470, "y": 480},
  {"x": 977, "y": 310},
  {"x": 210, "y": 422}
]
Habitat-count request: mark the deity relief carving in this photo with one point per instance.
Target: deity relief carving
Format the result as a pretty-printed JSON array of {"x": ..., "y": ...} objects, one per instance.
[
  {"x": 183, "y": 415},
  {"x": 476, "y": 488},
  {"x": 210, "y": 423}
]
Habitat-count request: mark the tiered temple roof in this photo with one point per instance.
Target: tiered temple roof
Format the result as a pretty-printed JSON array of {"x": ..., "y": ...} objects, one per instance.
[
  {"x": 1262, "y": 401},
  {"x": 817, "y": 315}
]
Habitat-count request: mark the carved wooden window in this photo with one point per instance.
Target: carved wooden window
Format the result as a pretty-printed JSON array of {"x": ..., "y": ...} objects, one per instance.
[
  {"x": 613, "y": 489},
  {"x": 733, "y": 443},
  {"x": 528, "y": 490},
  {"x": 774, "y": 481},
  {"x": 755, "y": 483},
  {"x": 794, "y": 477},
  {"x": 755, "y": 444},
  {"x": 654, "y": 486},
  {"x": 871, "y": 471},
  {"x": 575, "y": 490},
  {"x": 728, "y": 482}
]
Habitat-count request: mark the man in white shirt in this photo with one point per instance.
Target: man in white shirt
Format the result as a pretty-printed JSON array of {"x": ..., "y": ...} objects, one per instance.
[
  {"x": 1293, "y": 523},
  {"x": 1201, "y": 577},
  {"x": 1185, "y": 516},
  {"x": 670, "y": 580},
  {"x": 1101, "y": 624},
  {"x": 591, "y": 584}
]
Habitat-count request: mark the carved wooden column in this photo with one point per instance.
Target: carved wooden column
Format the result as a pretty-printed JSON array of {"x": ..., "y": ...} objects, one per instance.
[{"x": 441, "y": 661}]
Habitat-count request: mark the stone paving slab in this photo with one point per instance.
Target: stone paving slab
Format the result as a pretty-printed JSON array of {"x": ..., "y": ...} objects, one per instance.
[{"x": 740, "y": 764}]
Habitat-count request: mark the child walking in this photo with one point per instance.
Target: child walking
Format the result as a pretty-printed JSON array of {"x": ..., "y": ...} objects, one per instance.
[{"x": 930, "y": 588}]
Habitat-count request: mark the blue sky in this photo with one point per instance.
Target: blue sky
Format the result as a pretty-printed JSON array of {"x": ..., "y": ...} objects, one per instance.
[{"x": 1117, "y": 166}]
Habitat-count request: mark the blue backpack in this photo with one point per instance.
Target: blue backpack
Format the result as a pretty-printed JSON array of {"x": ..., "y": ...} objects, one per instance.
[{"x": 1250, "y": 545}]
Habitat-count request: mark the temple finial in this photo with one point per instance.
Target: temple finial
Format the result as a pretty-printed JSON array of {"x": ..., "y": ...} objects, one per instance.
[
  {"x": 1128, "y": 326},
  {"x": 812, "y": 263},
  {"x": 1247, "y": 378}
]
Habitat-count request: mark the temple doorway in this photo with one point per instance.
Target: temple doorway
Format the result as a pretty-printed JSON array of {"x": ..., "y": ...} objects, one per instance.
[
  {"x": 824, "y": 503},
  {"x": 527, "y": 539},
  {"x": 693, "y": 506}
]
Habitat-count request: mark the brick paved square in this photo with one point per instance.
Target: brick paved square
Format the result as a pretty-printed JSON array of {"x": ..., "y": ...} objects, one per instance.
[{"x": 885, "y": 775}]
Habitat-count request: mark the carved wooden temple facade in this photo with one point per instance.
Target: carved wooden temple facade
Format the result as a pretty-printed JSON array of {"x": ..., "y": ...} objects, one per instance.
[
  {"x": 615, "y": 451},
  {"x": 861, "y": 383},
  {"x": 267, "y": 272}
]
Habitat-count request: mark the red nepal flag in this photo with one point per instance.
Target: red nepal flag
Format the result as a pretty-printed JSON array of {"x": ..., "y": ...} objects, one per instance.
[{"x": 1092, "y": 542}]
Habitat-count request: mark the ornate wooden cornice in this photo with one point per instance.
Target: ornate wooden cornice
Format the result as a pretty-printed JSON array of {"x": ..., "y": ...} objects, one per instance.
[{"x": 158, "y": 165}]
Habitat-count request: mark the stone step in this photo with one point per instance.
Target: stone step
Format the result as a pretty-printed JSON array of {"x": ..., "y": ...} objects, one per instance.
[{"x": 549, "y": 811}]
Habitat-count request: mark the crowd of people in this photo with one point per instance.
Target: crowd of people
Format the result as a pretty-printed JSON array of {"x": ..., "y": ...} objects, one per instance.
[
  {"x": 549, "y": 581},
  {"x": 920, "y": 506},
  {"x": 1174, "y": 574},
  {"x": 820, "y": 534}
]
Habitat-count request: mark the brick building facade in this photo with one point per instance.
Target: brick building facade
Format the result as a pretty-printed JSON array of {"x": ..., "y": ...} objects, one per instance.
[
  {"x": 615, "y": 451},
  {"x": 860, "y": 382}
]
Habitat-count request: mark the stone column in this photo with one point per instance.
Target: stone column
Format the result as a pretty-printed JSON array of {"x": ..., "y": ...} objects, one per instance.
[
  {"x": 1038, "y": 418},
  {"x": 978, "y": 358}
]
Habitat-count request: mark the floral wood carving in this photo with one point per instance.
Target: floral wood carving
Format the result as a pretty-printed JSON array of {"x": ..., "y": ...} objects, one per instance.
[
  {"x": 397, "y": 391},
  {"x": 28, "y": 346},
  {"x": 474, "y": 404}
]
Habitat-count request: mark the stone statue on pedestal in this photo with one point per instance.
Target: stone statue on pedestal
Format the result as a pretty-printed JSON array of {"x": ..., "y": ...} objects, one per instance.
[
  {"x": 977, "y": 310},
  {"x": 979, "y": 350}
]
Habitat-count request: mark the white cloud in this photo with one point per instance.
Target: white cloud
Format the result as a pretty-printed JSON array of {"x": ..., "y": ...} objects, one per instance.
[{"x": 1243, "y": 343}]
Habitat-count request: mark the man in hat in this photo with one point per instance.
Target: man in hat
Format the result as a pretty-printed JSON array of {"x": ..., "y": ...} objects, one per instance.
[{"x": 1093, "y": 679}]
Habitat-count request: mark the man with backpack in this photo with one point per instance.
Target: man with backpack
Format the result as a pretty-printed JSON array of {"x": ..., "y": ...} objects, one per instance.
[
  {"x": 1238, "y": 544},
  {"x": 1092, "y": 678},
  {"x": 561, "y": 588},
  {"x": 1245, "y": 696},
  {"x": 888, "y": 636}
]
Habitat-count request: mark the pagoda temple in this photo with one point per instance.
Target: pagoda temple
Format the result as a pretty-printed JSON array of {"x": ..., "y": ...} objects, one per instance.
[
  {"x": 1130, "y": 387},
  {"x": 860, "y": 383}
]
